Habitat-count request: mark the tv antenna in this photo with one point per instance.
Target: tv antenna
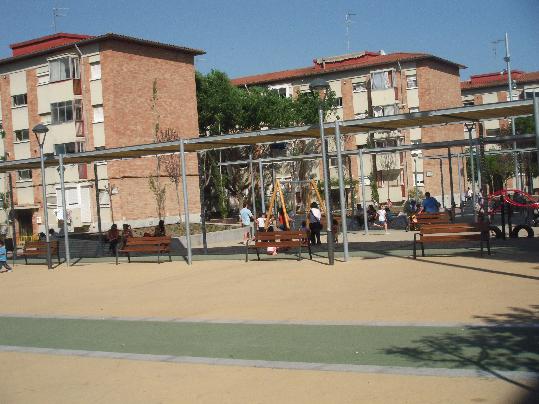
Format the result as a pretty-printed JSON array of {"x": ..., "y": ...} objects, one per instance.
[
  {"x": 58, "y": 12},
  {"x": 348, "y": 22},
  {"x": 495, "y": 46}
]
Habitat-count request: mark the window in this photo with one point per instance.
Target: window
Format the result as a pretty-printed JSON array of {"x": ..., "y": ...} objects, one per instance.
[
  {"x": 63, "y": 111},
  {"x": 98, "y": 114},
  {"x": 384, "y": 110},
  {"x": 63, "y": 69},
  {"x": 416, "y": 152},
  {"x": 361, "y": 116},
  {"x": 468, "y": 103},
  {"x": 19, "y": 100},
  {"x": 381, "y": 80},
  {"x": 529, "y": 94},
  {"x": 22, "y": 135},
  {"x": 414, "y": 109},
  {"x": 95, "y": 71},
  {"x": 24, "y": 175},
  {"x": 338, "y": 101},
  {"x": 333, "y": 162},
  {"x": 69, "y": 148},
  {"x": 493, "y": 132},
  {"x": 359, "y": 87},
  {"x": 411, "y": 81}
]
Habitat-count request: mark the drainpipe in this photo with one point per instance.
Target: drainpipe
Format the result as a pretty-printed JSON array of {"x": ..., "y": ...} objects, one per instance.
[{"x": 83, "y": 87}]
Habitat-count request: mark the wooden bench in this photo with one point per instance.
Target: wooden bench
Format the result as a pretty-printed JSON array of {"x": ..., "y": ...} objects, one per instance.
[
  {"x": 148, "y": 245},
  {"x": 443, "y": 233},
  {"x": 35, "y": 249},
  {"x": 279, "y": 239},
  {"x": 433, "y": 218}
]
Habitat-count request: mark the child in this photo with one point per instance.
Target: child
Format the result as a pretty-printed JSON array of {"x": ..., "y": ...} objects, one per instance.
[{"x": 3, "y": 257}]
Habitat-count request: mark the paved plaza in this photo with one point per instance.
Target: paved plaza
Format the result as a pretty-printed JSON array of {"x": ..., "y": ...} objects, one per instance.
[{"x": 379, "y": 328}]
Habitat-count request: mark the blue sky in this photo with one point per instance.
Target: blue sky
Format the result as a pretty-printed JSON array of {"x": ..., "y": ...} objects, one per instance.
[{"x": 243, "y": 37}]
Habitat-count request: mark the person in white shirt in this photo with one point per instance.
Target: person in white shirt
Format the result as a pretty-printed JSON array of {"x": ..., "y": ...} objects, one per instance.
[
  {"x": 261, "y": 222},
  {"x": 382, "y": 218},
  {"x": 315, "y": 224}
]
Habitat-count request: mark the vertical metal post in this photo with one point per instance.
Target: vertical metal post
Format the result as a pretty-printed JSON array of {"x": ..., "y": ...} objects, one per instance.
[
  {"x": 363, "y": 193},
  {"x": 202, "y": 180},
  {"x": 507, "y": 59},
  {"x": 415, "y": 179},
  {"x": 451, "y": 190},
  {"x": 45, "y": 211},
  {"x": 274, "y": 179},
  {"x": 536, "y": 118},
  {"x": 97, "y": 204},
  {"x": 442, "y": 182},
  {"x": 460, "y": 182},
  {"x": 262, "y": 188},
  {"x": 252, "y": 175},
  {"x": 64, "y": 208},
  {"x": 185, "y": 205},
  {"x": 12, "y": 214},
  {"x": 469, "y": 127},
  {"x": 352, "y": 187},
  {"x": 327, "y": 188},
  {"x": 341, "y": 190}
]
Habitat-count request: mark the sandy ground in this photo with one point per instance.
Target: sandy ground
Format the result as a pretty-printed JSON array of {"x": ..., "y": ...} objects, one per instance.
[
  {"x": 32, "y": 378},
  {"x": 441, "y": 289}
]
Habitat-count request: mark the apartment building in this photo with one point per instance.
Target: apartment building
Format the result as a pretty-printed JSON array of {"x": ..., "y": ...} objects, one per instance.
[
  {"x": 370, "y": 84},
  {"x": 95, "y": 92},
  {"x": 493, "y": 87}
]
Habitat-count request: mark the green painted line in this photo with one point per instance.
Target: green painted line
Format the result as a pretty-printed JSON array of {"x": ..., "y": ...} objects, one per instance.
[{"x": 480, "y": 348}]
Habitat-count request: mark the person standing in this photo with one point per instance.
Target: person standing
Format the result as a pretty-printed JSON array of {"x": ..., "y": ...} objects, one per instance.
[
  {"x": 159, "y": 230},
  {"x": 246, "y": 217},
  {"x": 114, "y": 237},
  {"x": 315, "y": 224},
  {"x": 3, "y": 258},
  {"x": 261, "y": 223},
  {"x": 382, "y": 219}
]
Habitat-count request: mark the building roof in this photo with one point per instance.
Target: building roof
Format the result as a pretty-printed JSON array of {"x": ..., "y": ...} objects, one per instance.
[
  {"x": 498, "y": 79},
  {"x": 340, "y": 63},
  {"x": 38, "y": 46}
]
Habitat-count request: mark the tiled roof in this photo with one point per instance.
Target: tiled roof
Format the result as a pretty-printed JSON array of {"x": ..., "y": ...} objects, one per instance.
[
  {"x": 498, "y": 79},
  {"x": 369, "y": 60},
  {"x": 101, "y": 38}
]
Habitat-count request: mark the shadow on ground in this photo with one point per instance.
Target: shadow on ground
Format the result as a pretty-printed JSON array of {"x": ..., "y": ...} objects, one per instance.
[{"x": 491, "y": 348}]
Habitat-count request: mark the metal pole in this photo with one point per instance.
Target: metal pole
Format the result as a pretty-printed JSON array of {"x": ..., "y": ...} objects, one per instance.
[
  {"x": 45, "y": 212},
  {"x": 352, "y": 187},
  {"x": 442, "y": 182},
  {"x": 262, "y": 188},
  {"x": 325, "y": 168},
  {"x": 469, "y": 127},
  {"x": 251, "y": 174},
  {"x": 64, "y": 209},
  {"x": 202, "y": 180},
  {"x": 460, "y": 182},
  {"x": 451, "y": 190},
  {"x": 341, "y": 190},
  {"x": 364, "y": 200},
  {"x": 12, "y": 214},
  {"x": 510, "y": 83},
  {"x": 186, "y": 205},
  {"x": 536, "y": 118},
  {"x": 415, "y": 179},
  {"x": 97, "y": 204}
]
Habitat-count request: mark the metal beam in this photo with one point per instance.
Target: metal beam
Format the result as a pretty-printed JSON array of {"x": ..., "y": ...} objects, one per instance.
[
  {"x": 185, "y": 205},
  {"x": 64, "y": 209},
  {"x": 341, "y": 191}
]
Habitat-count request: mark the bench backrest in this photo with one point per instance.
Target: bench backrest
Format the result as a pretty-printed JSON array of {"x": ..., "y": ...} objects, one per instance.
[
  {"x": 163, "y": 241},
  {"x": 425, "y": 218},
  {"x": 41, "y": 246},
  {"x": 281, "y": 236},
  {"x": 453, "y": 228}
]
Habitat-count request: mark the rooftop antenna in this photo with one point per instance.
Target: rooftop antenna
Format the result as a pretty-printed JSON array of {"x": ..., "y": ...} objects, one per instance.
[
  {"x": 58, "y": 12},
  {"x": 495, "y": 46},
  {"x": 348, "y": 21}
]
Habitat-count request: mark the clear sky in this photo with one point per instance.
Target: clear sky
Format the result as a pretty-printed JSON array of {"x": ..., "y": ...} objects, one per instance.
[{"x": 245, "y": 37}]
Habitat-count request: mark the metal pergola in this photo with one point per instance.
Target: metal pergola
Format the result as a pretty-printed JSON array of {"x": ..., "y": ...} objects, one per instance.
[{"x": 189, "y": 145}]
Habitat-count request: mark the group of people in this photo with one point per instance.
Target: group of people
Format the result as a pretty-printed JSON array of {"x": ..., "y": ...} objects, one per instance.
[
  {"x": 114, "y": 237},
  {"x": 267, "y": 222}
]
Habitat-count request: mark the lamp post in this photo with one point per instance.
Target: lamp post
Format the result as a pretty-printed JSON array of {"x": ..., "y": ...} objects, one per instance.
[
  {"x": 40, "y": 131},
  {"x": 321, "y": 86}
]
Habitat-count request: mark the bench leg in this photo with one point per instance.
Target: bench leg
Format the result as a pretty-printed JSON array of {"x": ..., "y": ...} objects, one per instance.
[
  {"x": 246, "y": 253},
  {"x": 415, "y": 249},
  {"x": 116, "y": 257},
  {"x": 481, "y": 245},
  {"x": 299, "y": 255},
  {"x": 169, "y": 257},
  {"x": 25, "y": 260},
  {"x": 159, "y": 257},
  {"x": 257, "y": 254},
  {"x": 129, "y": 257},
  {"x": 488, "y": 246},
  {"x": 310, "y": 252},
  {"x": 422, "y": 249}
]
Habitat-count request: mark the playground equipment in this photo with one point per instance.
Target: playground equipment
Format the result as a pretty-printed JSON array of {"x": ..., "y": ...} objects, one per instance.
[
  {"x": 278, "y": 189},
  {"x": 505, "y": 201}
]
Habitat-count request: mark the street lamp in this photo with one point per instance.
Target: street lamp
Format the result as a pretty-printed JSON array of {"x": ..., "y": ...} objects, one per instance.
[
  {"x": 40, "y": 131},
  {"x": 321, "y": 86}
]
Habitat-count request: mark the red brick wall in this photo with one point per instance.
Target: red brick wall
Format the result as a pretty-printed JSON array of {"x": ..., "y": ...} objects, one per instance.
[
  {"x": 439, "y": 87},
  {"x": 128, "y": 74}
]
